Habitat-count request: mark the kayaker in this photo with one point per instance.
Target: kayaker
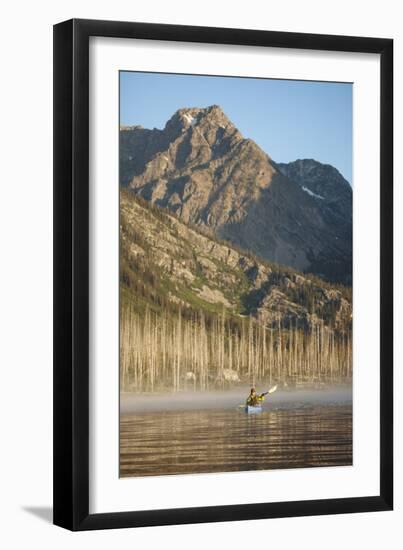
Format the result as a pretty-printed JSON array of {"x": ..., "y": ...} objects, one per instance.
[{"x": 254, "y": 400}]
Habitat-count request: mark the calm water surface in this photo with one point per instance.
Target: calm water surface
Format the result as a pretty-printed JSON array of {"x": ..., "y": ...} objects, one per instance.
[{"x": 227, "y": 440}]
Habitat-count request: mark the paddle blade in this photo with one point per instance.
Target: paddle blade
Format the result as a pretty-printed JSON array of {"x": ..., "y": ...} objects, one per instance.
[{"x": 273, "y": 389}]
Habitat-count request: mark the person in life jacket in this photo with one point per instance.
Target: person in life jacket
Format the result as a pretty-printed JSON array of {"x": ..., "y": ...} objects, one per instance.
[{"x": 254, "y": 400}]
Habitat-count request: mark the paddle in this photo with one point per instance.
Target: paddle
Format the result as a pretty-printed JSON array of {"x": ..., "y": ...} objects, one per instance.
[{"x": 271, "y": 390}]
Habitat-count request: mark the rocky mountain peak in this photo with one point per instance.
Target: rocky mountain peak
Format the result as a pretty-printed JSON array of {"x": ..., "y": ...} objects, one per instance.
[
  {"x": 201, "y": 168},
  {"x": 324, "y": 180},
  {"x": 188, "y": 117}
]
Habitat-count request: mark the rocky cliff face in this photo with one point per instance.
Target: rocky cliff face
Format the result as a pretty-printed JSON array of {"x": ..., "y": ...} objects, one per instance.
[
  {"x": 164, "y": 261},
  {"x": 201, "y": 168}
]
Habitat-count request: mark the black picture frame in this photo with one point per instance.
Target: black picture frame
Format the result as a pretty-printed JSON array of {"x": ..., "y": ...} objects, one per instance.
[{"x": 71, "y": 274}]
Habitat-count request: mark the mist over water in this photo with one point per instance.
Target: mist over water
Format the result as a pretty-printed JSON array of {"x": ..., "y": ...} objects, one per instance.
[{"x": 228, "y": 399}]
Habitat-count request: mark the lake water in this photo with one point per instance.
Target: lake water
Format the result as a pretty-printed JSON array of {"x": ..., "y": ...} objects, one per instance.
[{"x": 289, "y": 434}]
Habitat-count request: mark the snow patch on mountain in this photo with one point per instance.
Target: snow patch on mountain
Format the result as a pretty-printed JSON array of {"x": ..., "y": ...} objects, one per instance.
[
  {"x": 312, "y": 193},
  {"x": 189, "y": 118}
]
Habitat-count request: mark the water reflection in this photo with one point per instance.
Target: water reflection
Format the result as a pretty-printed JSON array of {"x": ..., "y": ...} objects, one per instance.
[{"x": 181, "y": 442}]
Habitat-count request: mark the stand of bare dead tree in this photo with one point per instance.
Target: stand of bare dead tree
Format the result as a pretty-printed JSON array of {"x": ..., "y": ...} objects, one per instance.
[{"x": 163, "y": 352}]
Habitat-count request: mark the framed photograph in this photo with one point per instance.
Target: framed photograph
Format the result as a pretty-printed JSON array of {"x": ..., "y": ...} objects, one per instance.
[{"x": 223, "y": 320}]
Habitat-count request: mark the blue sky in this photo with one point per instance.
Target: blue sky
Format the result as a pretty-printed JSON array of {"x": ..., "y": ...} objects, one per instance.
[{"x": 289, "y": 119}]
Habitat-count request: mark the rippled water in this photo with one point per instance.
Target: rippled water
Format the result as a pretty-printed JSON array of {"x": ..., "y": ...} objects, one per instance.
[{"x": 196, "y": 441}]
